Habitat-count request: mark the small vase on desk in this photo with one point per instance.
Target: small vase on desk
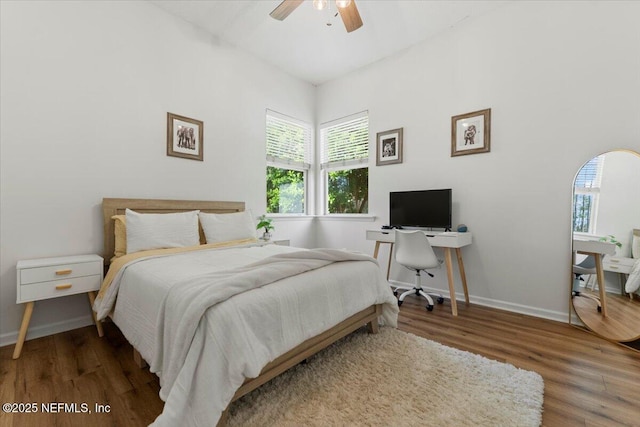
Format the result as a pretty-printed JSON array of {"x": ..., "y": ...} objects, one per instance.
[{"x": 266, "y": 236}]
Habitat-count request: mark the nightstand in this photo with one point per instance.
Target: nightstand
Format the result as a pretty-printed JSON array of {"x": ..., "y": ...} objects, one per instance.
[
  {"x": 621, "y": 265},
  {"x": 40, "y": 279}
]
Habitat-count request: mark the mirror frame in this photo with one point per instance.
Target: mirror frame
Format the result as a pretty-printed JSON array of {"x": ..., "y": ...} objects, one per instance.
[{"x": 572, "y": 310}]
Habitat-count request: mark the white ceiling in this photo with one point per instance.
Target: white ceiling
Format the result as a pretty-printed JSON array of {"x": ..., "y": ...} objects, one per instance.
[{"x": 304, "y": 46}]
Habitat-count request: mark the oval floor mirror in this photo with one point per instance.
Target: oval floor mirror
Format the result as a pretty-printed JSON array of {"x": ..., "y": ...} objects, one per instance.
[{"x": 606, "y": 246}]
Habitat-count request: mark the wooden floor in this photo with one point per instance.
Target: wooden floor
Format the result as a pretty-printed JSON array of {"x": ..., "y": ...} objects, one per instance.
[
  {"x": 623, "y": 315},
  {"x": 589, "y": 382}
]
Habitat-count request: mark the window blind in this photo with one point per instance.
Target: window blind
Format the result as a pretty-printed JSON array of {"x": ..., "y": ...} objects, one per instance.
[
  {"x": 345, "y": 142},
  {"x": 590, "y": 176},
  {"x": 288, "y": 140}
]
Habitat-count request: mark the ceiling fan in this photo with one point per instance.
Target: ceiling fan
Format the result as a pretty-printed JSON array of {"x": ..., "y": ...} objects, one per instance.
[{"x": 347, "y": 9}]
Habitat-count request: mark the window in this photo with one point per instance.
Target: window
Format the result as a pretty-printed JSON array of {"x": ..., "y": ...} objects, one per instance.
[
  {"x": 345, "y": 164},
  {"x": 585, "y": 199},
  {"x": 288, "y": 163}
]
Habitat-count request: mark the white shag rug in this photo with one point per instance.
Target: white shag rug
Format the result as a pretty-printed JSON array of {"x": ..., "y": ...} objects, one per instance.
[{"x": 394, "y": 378}]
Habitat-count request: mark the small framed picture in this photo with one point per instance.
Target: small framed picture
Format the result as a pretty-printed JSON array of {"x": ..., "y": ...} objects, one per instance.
[
  {"x": 471, "y": 133},
  {"x": 389, "y": 147},
  {"x": 184, "y": 137}
]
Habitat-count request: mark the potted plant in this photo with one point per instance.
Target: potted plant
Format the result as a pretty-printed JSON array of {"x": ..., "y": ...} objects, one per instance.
[
  {"x": 611, "y": 239},
  {"x": 266, "y": 223}
]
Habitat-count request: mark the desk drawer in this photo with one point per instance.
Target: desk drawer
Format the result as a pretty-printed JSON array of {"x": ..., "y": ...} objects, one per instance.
[
  {"x": 59, "y": 272},
  {"x": 58, "y": 288}
]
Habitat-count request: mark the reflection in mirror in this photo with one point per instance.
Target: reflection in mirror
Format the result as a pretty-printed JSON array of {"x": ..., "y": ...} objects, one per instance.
[{"x": 606, "y": 246}]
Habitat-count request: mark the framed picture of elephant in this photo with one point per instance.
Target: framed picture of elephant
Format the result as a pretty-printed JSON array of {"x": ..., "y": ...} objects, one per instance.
[
  {"x": 471, "y": 133},
  {"x": 184, "y": 137}
]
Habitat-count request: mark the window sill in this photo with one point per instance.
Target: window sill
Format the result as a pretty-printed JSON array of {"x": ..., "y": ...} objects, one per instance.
[
  {"x": 347, "y": 217},
  {"x": 291, "y": 217},
  {"x": 586, "y": 235},
  {"x": 329, "y": 217}
]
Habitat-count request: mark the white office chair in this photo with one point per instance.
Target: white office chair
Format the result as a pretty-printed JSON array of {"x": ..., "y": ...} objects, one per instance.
[
  {"x": 414, "y": 252},
  {"x": 586, "y": 266}
]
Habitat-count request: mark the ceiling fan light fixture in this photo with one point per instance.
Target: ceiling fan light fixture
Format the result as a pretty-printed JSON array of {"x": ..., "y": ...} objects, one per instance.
[
  {"x": 319, "y": 4},
  {"x": 347, "y": 10}
]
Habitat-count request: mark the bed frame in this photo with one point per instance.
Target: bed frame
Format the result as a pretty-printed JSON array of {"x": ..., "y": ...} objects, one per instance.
[{"x": 368, "y": 316}]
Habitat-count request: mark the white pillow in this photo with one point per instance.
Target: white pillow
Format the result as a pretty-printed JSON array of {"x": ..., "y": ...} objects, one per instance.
[
  {"x": 228, "y": 227},
  {"x": 156, "y": 231}
]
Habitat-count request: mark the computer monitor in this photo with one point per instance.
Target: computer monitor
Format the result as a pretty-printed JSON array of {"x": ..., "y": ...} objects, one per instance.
[{"x": 426, "y": 208}]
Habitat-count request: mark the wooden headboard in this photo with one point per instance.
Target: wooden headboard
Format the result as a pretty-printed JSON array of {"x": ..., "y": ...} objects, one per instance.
[{"x": 112, "y": 207}]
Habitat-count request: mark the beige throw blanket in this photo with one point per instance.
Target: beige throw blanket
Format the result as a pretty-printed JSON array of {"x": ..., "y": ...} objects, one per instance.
[
  {"x": 205, "y": 350},
  {"x": 187, "y": 302},
  {"x": 229, "y": 356}
]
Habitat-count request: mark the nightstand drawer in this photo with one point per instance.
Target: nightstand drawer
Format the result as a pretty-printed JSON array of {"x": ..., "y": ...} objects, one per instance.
[
  {"x": 618, "y": 264},
  {"x": 59, "y": 272},
  {"x": 58, "y": 288},
  {"x": 617, "y": 268}
]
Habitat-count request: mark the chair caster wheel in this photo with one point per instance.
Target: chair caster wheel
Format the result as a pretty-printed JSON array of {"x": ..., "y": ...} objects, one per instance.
[
  {"x": 599, "y": 309},
  {"x": 440, "y": 300},
  {"x": 399, "y": 303},
  {"x": 429, "y": 308}
]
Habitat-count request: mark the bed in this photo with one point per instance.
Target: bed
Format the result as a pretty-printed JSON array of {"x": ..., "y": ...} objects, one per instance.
[{"x": 217, "y": 320}]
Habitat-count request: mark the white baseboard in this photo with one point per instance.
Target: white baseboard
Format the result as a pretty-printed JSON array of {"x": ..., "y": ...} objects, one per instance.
[
  {"x": 558, "y": 316},
  {"x": 49, "y": 329}
]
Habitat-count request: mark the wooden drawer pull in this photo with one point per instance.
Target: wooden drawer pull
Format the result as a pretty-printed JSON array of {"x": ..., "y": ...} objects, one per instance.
[
  {"x": 62, "y": 287},
  {"x": 613, "y": 267},
  {"x": 63, "y": 272},
  {"x": 614, "y": 260}
]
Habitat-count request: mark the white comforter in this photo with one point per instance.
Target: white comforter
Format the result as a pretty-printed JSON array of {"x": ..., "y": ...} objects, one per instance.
[
  {"x": 213, "y": 331},
  {"x": 633, "y": 281}
]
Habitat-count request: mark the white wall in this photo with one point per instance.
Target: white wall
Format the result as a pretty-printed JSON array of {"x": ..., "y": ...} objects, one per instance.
[
  {"x": 619, "y": 200},
  {"x": 86, "y": 87},
  {"x": 562, "y": 80},
  {"x": 619, "y": 205}
]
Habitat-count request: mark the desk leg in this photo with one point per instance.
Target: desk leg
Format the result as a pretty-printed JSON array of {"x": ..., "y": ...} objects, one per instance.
[
  {"x": 376, "y": 249},
  {"x": 463, "y": 276},
  {"x": 92, "y": 298},
  {"x": 26, "y": 318},
  {"x": 452, "y": 289},
  {"x": 600, "y": 275},
  {"x": 375, "y": 255},
  {"x": 389, "y": 262}
]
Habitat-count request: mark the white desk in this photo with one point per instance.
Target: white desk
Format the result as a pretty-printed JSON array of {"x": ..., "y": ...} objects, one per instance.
[
  {"x": 597, "y": 249},
  {"x": 438, "y": 239}
]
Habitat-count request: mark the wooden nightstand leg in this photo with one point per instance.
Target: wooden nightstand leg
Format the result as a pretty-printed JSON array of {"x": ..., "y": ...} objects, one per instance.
[
  {"x": 26, "y": 318},
  {"x": 92, "y": 298}
]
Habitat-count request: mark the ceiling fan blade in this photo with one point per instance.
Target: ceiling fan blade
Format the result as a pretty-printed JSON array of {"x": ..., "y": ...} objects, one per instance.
[
  {"x": 351, "y": 17},
  {"x": 284, "y": 9}
]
